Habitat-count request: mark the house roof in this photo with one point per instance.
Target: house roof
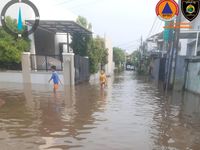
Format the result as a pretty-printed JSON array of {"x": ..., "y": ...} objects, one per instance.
[{"x": 61, "y": 26}]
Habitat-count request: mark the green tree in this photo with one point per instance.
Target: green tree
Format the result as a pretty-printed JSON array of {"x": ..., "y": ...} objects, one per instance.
[
  {"x": 83, "y": 22},
  {"x": 118, "y": 56},
  {"x": 10, "y": 47},
  {"x": 86, "y": 45},
  {"x": 80, "y": 42},
  {"x": 141, "y": 63},
  {"x": 98, "y": 54}
]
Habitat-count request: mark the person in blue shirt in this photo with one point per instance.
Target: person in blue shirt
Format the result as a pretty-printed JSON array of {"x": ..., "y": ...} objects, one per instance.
[{"x": 55, "y": 78}]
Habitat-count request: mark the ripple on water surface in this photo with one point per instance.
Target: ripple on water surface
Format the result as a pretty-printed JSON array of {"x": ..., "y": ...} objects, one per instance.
[{"x": 130, "y": 114}]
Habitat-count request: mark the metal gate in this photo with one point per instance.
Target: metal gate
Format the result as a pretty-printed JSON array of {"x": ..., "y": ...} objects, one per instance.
[
  {"x": 81, "y": 65},
  {"x": 44, "y": 62}
]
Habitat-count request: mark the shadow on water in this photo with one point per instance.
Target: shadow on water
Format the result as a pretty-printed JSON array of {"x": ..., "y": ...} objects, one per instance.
[
  {"x": 131, "y": 113},
  {"x": 177, "y": 122},
  {"x": 49, "y": 120}
]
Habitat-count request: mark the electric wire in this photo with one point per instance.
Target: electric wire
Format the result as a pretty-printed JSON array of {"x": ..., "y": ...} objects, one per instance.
[{"x": 152, "y": 27}]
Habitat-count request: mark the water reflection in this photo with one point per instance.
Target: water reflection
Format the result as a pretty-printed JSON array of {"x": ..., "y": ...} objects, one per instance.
[
  {"x": 131, "y": 113},
  {"x": 177, "y": 122}
]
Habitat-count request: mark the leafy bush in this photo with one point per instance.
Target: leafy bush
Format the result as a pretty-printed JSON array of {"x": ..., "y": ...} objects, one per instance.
[{"x": 10, "y": 47}]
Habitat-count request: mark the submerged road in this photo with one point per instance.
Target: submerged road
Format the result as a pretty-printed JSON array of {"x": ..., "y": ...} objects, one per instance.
[{"x": 130, "y": 114}]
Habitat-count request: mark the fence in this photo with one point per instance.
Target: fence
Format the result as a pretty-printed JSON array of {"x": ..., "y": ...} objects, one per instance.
[
  {"x": 44, "y": 62},
  {"x": 10, "y": 66},
  {"x": 81, "y": 65}
]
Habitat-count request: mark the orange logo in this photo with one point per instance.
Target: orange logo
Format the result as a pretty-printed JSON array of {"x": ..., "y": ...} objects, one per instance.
[{"x": 167, "y": 10}]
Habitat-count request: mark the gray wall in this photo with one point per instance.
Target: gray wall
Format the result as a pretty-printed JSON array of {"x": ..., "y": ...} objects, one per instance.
[
  {"x": 156, "y": 67},
  {"x": 180, "y": 72},
  {"x": 44, "y": 42},
  {"x": 36, "y": 78},
  {"x": 193, "y": 77}
]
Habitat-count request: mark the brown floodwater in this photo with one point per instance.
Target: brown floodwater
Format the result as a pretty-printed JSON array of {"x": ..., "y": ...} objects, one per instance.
[{"x": 130, "y": 114}]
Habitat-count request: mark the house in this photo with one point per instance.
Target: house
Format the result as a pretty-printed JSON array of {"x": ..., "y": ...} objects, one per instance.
[
  {"x": 154, "y": 45},
  {"x": 189, "y": 38},
  {"x": 53, "y": 37}
]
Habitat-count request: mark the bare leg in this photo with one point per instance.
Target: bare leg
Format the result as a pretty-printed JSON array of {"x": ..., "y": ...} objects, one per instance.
[
  {"x": 54, "y": 90},
  {"x": 102, "y": 85}
]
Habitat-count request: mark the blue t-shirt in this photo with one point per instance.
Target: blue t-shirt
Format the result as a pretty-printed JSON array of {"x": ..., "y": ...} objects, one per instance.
[{"x": 55, "y": 77}]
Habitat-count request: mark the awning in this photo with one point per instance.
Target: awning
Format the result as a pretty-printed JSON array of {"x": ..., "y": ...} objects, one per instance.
[
  {"x": 189, "y": 34},
  {"x": 61, "y": 26},
  {"x": 184, "y": 34}
]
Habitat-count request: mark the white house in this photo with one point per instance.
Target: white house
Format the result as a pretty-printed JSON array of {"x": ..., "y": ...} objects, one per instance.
[{"x": 189, "y": 38}]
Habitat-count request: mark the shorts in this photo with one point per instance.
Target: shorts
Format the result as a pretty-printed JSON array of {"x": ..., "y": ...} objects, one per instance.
[
  {"x": 55, "y": 86},
  {"x": 103, "y": 83}
]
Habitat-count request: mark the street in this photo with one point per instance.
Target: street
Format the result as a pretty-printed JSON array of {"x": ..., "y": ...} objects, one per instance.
[{"x": 130, "y": 114}]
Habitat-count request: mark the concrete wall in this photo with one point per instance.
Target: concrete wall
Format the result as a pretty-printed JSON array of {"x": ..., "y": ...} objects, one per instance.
[
  {"x": 43, "y": 77},
  {"x": 180, "y": 73},
  {"x": 36, "y": 77},
  {"x": 156, "y": 67},
  {"x": 183, "y": 50},
  {"x": 11, "y": 77},
  {"x": 193, "y": 77}
]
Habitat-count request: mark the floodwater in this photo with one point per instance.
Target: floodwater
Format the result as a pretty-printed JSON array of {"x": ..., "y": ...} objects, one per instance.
[{"x": 130, "y": 114}]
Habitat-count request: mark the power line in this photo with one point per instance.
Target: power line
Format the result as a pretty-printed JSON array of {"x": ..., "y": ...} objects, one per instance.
[
  {"x": 157, "y": 27},
  {"x": 152, "y": 27}
]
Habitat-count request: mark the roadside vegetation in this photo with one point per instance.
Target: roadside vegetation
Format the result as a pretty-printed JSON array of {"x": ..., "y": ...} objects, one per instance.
[
  {"x": 11, "y": 48},
  {"x": 119, "y": 58},
  {"x": 93, "y": 47},
  {"x": 141, "y": 62}
]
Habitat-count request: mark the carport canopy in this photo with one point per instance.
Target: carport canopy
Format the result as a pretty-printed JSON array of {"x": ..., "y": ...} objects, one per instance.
[{"x": 61, "y": 26}]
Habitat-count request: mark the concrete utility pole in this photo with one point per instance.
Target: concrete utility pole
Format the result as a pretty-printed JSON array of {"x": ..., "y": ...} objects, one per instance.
[
  {"x": 172, "y": 54},
  {"x": 168, "y": 62},
  {"x": 175, "y": 46}
]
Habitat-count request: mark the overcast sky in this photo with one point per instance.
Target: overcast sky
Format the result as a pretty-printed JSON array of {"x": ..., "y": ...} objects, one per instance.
[{"x": 124, "y": 21}]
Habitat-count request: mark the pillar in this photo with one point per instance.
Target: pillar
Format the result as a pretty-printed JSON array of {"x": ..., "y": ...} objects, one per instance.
[
  {"x": 32, "y": 48},
  {"x": 32, "y": 39},
  {"x": 68, "y": 69},
  {"x": 26, "y": 67}
]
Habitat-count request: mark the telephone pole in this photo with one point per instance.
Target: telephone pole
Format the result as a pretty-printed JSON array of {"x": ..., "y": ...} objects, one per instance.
[
  {"x": 172, "y": 54},
  {"x": 176, "y": 45}
]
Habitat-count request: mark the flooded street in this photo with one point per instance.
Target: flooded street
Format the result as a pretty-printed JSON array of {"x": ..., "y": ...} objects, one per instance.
[{"x": 130, "y": 114}]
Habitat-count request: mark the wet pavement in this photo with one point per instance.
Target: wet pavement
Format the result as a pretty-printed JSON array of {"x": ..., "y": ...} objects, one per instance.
[{"x": 130, "y": 114}]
